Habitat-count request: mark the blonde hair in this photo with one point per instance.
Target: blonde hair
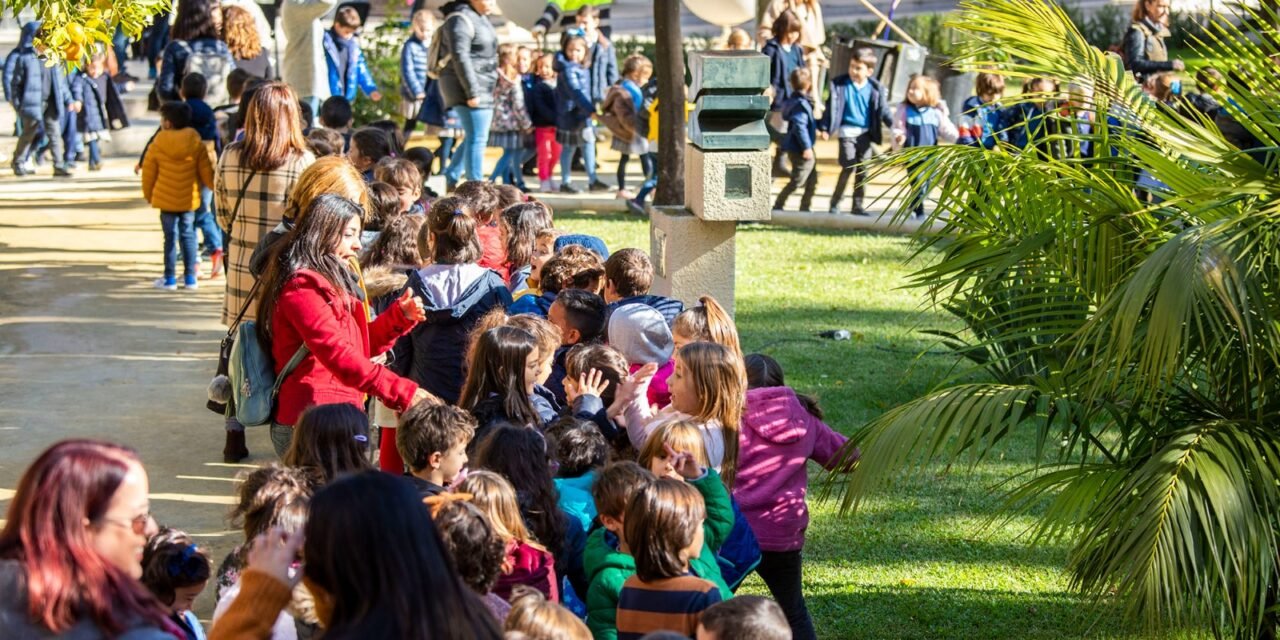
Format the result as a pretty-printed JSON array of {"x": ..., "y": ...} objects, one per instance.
[
  {"x": 547, "y": 334},
  {"x": 507, "y": 53},
  {"x": 328, "y": 175},
  {"x": 929, "y": 87},
  {"x": 720, "y": 382},
  {"x": 496, "y": 498},
  {"x": 240, "y": 33},
  {"x": 708, "y": 322},
  {"x": 683, "y": 436},
  {"x": 738, "y": 40},
  {"x": 636, "y": 62},
  {"x": 424, "y": 17},
  {"x": 539, "y": 619}
]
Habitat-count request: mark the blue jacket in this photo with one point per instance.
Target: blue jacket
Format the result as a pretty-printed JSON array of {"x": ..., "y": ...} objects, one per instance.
[
  {"x": 24, "y": 75},
  {"x": 537, "y": 305},
  {"x": 175, "y": 63},
  {"x": 93, "y": 114},
  {"x": 434, "y": 353},
  {"x": 830, "y": 121},
  {"x": 203, "y": 121},
  {"x": 981, "y": 124},
  {"x": 802, "y": 128},
  {"x": 668, "y": 307},
  {"x": 413, "y": 68},
  {"x": 576, "y": 500},
  {"x": 604, "y": 69},
  {"x": 541, "y": 102},
  {"x": 573, "y": 95},
  {"x": 1025, "y": 124},
  {"x": 780, "y": 65},
  {"x": 357, "y": 77}
]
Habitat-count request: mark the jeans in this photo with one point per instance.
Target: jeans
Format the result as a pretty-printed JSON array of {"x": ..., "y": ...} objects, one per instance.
[
  {"x": 475, "y": 122},
  {"x": 853, "y": 153},
  {"x": 179, "y": 227},
  {"x": 445, "y": 152},
  {"x": 782, "y": 573},
  {"x": 207, "y": 223},
  {"x": 547, "y": 150},
  {"x": 651, "y": 176},
  {"x": 508, "y": 168},
  {"x": 802, "y": 172},
  {"x": 588, "y": 161},
  {"x": 70, "y": 139},
  {"x": 95, "y": 153},
  {"x": 281, "y": 437}
]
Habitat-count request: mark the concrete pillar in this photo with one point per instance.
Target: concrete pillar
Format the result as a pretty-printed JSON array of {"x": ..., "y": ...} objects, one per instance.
[{"x": 691, "y": 257}]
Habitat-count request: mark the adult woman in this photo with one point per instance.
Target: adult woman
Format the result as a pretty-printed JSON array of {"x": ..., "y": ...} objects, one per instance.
[
  {"x": 196, "y": 37},
  {"x": 367, "y": 534},
  {"x": 467, "y": 83},
  {"x": 311, "y": 298},
  {"x": 813, "y": 34},
  {"x": 1144, "y": 50},
  {"x": 241, "y": 35},
  {"x": 333, "y": 175},
  {"x": 302, "y": 64},
  {"x": 71, "y": 549}
]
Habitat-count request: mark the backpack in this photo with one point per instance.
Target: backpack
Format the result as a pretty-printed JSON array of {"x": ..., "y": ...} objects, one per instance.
[
  {"x": 437, "y": 58},
  {"x": 254, "y": 383},
  {"x": 215, "y": 67}
]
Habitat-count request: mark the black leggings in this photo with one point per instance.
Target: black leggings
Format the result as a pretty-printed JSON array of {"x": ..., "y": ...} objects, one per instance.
[
  {"x": 646, "y": 166},
  {"x": 781, "y": 571}
]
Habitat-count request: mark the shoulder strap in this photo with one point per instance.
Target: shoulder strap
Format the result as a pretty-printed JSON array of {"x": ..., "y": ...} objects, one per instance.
[
  {"x": 289, "y": 366},
  {"x": 235, "y": 211},
  {"x": 244, "y": 308}
]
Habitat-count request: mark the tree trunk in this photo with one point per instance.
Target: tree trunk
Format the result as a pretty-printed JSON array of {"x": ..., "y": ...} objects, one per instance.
[{"x": 671, "y": 97}]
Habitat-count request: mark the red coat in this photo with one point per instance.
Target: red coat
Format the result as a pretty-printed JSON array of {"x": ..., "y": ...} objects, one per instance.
[
  {"x": 336, "y": 329},
  {"x": 493, "y": 254}
]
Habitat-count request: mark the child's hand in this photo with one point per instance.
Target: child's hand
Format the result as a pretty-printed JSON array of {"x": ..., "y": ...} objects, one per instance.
[
  {"x": 899, "y": 139},
  {"x": 411, "y": 306},
  {"x": 683, "y": 464},
  {"x": 824, "y": 135},
  {"x": 274, "y": 552},
  {"x": 808, "y": 154},
  {"x": 592, "y": 383},
  {"x": 632, "y": 388},
  {"x": 420, "y": 96}
]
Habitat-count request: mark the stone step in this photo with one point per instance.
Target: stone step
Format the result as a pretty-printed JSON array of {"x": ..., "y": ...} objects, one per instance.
[{"x": 130, "y": 142}]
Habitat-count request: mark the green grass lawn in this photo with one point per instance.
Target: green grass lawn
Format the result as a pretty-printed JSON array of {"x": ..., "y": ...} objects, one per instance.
[{"x": 916, "y": 561}]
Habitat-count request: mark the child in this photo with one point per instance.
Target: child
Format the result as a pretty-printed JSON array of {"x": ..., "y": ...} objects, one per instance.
[
  {"x": 628, "y": 274},
  {"x": 456, "y": 293},
  {"x": 432, "y": 439},
  {"x": 329, "y": 440},
  {"x": 707, "y": 322},
  {"x": 595, "y": 244},
  {"x": 542, "y": 114},
  {"x": 527, "y": 562},
  {"x": 505, "y": 367},
  {"x": 174, "y": 168},
  {"x": 226, "y": 115},
  {"x": 348, "y": 73},
  {"x": 580, "y": 453},
  {"x": 603, "y": 59},
  {"x": 781, "y": 432},
  {"x": 785, "y": 56},
  {"x": 203, "y": 120},
  {"x": 518, "y": 227},
  {"x": 706, "y": 387},
  {"x": 537, "y": 619},
  {"x": 394, "y": 249},
  {"x": 422, "y": 158},
  {"x": 1025, "y": 120},
  {"x": 579, "y": 315},
  {"x": 649, "y": 114},
  {"x": 738, "y": 40},
  {"x": 981, "y": 119},
  {"x": 482, "y": 200},
  {"x": 176, "y": 571},
  {"x": 478, "y": 551},
  {"x": 855, "y": 108},
  {"x": 543, "y": 250},
  {"x": 91, "y": 87},
  {"x": 368, "y": 146},
  {"x": 403, "y": 175},
  {"x": 394, "y": 134},
  {"x": 744, "y": 617},
  {"x": 642, "y": 336},
  {"x": 921, "y": 121},
  {"x": 326, "y": 142},
  {"x": 574, "y": 267},
  {"x": 664, "y": 532},
  {"x": 593, "y": 374},
  {"x": 797, "y": 143},
  {"x": 575, "y": 109},
  {"x": 510, "y": 119},
  {"x": 623, "y": 110},
  {"x": 444, "y": 124},
  {"x": 1208, "y": 82},
  {"x": 413, "y": 68},
  {"x": 674, "y": 437},
  {"x": 336, "y": 115},
  {"x": 24, "y": 89},
  {"x": 384, "y": 206}
]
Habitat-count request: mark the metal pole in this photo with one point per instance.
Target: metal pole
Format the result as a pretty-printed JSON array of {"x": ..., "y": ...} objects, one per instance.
[{"x": 671, "y": 98}]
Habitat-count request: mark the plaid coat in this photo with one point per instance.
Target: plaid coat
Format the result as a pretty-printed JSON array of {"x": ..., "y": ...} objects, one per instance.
[{"x": 262, "y": 209}]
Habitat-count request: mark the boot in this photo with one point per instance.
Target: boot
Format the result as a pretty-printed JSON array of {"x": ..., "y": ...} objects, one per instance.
[{"x": 235, "y": 449}]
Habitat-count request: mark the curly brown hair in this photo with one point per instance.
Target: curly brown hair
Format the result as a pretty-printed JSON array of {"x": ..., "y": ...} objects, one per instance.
[
  {"x": 476, "y": 547},
  {"x": 575, "y": 267},
  {"x": 240, "y": 33}
]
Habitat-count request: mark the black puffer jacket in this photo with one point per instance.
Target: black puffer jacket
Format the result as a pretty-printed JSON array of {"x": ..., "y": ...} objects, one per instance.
[{"x": 472, "y": 43}]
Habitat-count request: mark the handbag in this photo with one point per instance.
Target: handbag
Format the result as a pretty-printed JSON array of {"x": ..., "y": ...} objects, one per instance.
[{"x": 220, "y": 387}]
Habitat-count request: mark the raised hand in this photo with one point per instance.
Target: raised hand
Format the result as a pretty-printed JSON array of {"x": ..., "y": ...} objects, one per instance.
[
  {"x": 592, "y": 383},
  {"x": 273, "y": 553},
  {"x": 411, "y": 306},
  {"x": 683, "y": 463}
]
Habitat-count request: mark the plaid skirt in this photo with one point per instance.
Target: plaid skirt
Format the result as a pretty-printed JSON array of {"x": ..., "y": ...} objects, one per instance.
[
  {"x": 637, "y": 147},
  {"x": 577, "y": 137},
  {"x": 507, "y": 140}
]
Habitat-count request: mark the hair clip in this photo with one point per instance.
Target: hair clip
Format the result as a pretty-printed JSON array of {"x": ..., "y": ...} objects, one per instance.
[
  {"x": 459, "y": 212},
  {"x": 438, "y": 501},
  {"x": 177, "y": 565},
  {"x": 362, "y": 438}
]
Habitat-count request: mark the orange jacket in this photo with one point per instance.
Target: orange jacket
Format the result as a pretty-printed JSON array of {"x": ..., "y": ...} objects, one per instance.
[{"x": 177, "y": 164}]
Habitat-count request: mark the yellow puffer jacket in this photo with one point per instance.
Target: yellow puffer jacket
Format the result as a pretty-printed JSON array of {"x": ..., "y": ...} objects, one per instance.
[{"x": 175, "y": 167}]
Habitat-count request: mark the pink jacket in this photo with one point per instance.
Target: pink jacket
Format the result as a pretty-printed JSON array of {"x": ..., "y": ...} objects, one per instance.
[
  {"x": 659, "y": 393},
  {"x": 777, "y": 438}
]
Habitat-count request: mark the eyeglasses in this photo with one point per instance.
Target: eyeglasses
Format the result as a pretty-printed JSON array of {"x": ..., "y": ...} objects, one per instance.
[{"x": 138, "y": 524}]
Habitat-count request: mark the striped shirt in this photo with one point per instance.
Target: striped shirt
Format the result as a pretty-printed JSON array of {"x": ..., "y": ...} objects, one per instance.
[{"x": 670, "y": 604}]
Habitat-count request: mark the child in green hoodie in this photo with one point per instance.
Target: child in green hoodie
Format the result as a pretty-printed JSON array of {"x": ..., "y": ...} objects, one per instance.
[{"x": 607, "y": 560}]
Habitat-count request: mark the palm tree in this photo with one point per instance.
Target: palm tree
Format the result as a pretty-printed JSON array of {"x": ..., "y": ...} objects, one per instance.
[{"x": 1142, "y": 332}]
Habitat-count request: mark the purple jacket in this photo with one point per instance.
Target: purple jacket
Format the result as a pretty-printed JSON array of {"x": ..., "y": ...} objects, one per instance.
[{"x": 777, "y": 438}]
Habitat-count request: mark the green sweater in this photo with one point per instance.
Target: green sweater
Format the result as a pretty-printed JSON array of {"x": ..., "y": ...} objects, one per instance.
[{"x": 608, "y": 568}]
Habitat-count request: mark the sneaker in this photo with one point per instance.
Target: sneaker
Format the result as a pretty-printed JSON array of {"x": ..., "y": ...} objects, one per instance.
[
  {"x": 19, "y": 170},
  {"x": 599, "y": 187},
  {"x": 95, "y": 166},
  {"x": 169, "y": 284},
  {"x": 623, "y": 194},
  {"x": 859, "y": 211},
  {"x": 569, "y": 188},
  {"x": 61, "y": 172},
  {"x": 545, "y": 186},
  {"x": 636, "y": 207},
  {"x": 191, "y": 282}
]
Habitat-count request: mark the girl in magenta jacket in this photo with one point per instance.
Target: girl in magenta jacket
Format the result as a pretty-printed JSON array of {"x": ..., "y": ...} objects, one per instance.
[
  {"x": 781, "y": 431},
  {"x": 312, "y": 298}
]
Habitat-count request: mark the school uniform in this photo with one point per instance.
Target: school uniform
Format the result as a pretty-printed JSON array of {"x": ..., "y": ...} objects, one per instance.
[
  {"x": 853, "y": 115},
  {"x": 802, "y": 130},
  {"x": 922, "y": 127}
]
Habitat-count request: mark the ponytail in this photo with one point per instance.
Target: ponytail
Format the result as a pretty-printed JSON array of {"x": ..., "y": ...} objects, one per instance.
[
  {"x": 449, "y": 237},
  {"x": 708, "y": 322}
]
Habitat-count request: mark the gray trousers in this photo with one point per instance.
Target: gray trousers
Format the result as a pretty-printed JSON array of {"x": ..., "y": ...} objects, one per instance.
[
  {"x": 30, "y": 132},
  {"x": 802, "y": 172},
  {"x": 853, "y": 153}
]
